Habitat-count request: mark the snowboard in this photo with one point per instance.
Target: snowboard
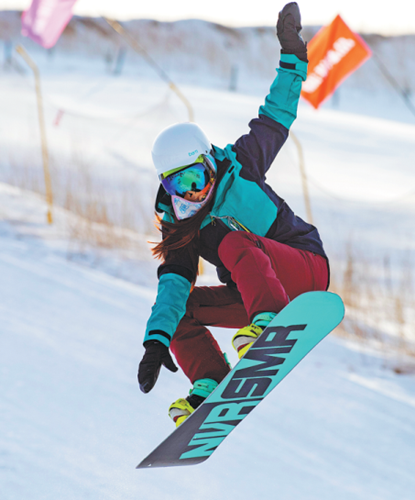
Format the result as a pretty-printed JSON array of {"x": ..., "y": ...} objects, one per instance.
[{"x": 290, "y": 336}]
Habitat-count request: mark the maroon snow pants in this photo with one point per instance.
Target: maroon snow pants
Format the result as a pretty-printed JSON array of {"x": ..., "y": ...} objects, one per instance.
[{"x": 268, "y": 274}]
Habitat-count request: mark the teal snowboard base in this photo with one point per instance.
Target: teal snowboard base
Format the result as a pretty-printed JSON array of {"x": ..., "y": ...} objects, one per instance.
[{"x": 299, "y": 327}]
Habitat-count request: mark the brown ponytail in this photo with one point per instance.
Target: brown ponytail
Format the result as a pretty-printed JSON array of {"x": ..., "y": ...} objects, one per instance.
[{"x": 181, "y": 235}]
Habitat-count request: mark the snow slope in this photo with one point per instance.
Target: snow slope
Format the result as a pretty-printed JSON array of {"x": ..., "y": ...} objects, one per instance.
[
  {"x": 244, "y": 58},
  {"x": 74, "y": 423}
]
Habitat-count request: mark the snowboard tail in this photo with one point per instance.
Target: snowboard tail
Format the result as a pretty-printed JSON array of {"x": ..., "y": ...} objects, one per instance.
[{"x": 299, "y": 327}]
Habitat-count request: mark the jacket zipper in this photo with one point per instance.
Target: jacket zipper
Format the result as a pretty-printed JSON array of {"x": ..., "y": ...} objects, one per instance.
[{"x": 232, "y": 222}]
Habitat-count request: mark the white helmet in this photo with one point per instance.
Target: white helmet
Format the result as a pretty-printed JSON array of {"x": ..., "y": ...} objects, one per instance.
[{"x": 179, "y": 145}]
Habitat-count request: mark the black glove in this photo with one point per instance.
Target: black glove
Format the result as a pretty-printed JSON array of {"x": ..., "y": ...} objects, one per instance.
[
  {"x": 156, "y": 354},
  {"x": 288, "y": 32}
]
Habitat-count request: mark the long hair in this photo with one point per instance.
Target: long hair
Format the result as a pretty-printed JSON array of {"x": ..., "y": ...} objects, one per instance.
[{"x": 182, "y": 235}]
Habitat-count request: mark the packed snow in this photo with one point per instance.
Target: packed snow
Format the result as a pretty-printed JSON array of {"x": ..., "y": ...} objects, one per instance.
[{"x": 73, "y": 423}]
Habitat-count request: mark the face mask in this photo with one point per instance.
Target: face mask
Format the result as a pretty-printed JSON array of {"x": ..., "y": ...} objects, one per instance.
[{"x": 185, "y": 209}]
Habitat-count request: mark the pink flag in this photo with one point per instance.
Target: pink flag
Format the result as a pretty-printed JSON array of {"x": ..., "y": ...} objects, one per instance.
[{"x": 45, "y": 20}]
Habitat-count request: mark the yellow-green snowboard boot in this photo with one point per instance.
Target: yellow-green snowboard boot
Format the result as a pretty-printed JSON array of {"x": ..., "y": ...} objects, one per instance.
[{"x": 246, "y": 336}]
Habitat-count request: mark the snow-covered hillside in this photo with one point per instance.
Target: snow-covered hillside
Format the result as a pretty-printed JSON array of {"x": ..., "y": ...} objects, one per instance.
[
  {"x": 74, "y": 423},
  {"x": 75, "y": 296},
  {"x": 243, "y": 58}
]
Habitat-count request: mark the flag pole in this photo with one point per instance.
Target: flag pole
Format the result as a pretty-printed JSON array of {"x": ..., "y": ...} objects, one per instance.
[
  {"x": 392, "y": 80},
  {"x": 304, "y": 179},
  {"x": 115, "y": 25},
  {"x": 45, "y": 156}
]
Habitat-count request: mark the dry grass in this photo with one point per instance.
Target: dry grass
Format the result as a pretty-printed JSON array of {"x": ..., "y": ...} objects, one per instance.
[
  {"x": 379, "y": 293},
  {"x": 379, "y": 299},
  {"x": 108, "y": 211}
]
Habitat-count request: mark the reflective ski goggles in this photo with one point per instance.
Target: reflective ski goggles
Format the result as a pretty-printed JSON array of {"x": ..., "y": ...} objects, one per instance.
[{"x": 197, "y": 177}]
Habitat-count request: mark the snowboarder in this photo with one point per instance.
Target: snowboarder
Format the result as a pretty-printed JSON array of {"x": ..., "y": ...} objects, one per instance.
[{"x": 217, "y": 205}]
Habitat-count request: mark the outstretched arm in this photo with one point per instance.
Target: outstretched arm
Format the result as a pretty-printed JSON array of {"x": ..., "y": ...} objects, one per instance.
[
  {"x": 170, "y": 306},
  {"x": 257, "y": 150}
]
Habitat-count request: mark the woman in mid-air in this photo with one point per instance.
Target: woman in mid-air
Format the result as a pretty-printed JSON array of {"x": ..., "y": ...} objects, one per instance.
[{"x": 217, "y": 205}]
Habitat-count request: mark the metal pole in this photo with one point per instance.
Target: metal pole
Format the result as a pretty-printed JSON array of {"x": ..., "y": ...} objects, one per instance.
[
  {"x": 392, "y": 80},
  {"x": 163, "y": 75},
  {"x": 45, "y": 156},
  {"x": 141, "y": 50},
  {"x": 303, "y": 177}
]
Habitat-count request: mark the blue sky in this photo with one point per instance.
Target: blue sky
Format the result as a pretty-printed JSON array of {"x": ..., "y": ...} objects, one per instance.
[{"x": 363, "y": 16}]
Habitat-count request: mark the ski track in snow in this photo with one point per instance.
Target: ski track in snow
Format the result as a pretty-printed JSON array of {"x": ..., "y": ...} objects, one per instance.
[{"x": 389, "y": 390}]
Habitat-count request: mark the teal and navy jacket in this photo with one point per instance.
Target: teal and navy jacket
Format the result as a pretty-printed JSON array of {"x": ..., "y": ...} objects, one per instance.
[{"x": 243, "y": 201}]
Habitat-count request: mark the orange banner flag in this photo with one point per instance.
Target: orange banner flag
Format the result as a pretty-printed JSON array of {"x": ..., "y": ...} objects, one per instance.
[{"x": 333, "y": 54}]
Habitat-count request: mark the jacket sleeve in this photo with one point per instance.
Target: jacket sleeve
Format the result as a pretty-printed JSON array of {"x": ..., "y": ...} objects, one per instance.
[
  {"x": 172, "y": 294},
  {"x": 257, "y": 150},
  {"x": 175, "y": 275}
]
